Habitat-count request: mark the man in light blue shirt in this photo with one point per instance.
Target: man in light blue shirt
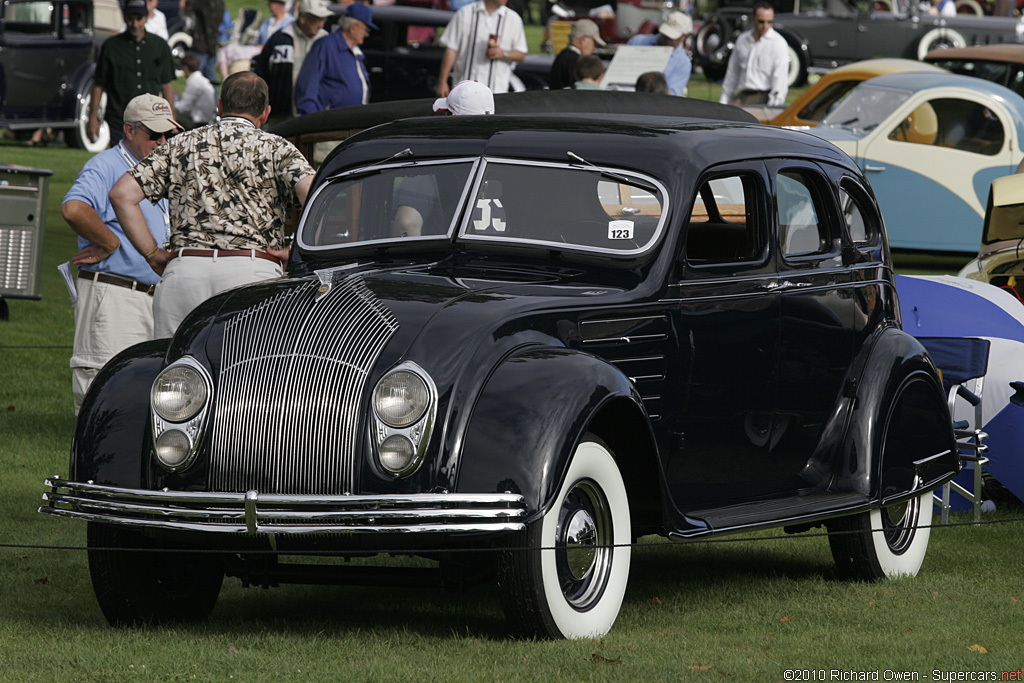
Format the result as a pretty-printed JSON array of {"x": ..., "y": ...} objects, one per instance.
[
  {"x": 114, "y": 309},
  {"x": 672, "y": 33}
]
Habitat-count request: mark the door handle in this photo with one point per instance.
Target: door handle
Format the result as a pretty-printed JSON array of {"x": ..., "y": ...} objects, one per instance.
[
  {"x": 784, "y": 285},
  {"x": 868, "y": 167}
]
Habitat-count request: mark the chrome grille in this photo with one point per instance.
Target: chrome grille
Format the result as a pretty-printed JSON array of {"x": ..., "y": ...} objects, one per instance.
[{"x": 291, "y": 388}]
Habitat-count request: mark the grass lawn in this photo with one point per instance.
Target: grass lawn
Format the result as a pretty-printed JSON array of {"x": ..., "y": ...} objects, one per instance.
[{"x": 744, "y": 611}]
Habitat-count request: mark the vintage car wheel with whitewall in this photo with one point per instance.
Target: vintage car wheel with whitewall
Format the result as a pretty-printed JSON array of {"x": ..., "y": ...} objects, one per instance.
[
  {"x": 566, "y": 575},
  {"x": 520, "y": 343}
]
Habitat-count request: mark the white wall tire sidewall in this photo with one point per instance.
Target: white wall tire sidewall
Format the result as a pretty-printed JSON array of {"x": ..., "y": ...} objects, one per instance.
[
  {"x": 909, "y": 562},
  {"x": 590, "y": 461},
  {"x": 941, "y": 33},
  {"x": 794, "y": 66}
]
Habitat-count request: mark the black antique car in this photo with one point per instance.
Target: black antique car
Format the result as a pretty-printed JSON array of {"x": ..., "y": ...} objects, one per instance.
[
  {"x": 513, "y": 345},
  {"x": 46, "y": 67},
  {"x": 824, "y": 34}
]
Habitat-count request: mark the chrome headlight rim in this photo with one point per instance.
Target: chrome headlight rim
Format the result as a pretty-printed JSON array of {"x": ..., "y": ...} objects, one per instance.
[
  {"x": 415, "y": 432},
  {"x": 191, "y": 428},
  {"x": 424, "y": 402},
  {"x": 193, "y": 368}
]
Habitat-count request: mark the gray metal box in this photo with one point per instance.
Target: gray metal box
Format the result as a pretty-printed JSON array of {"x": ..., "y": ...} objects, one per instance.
[{"x": 23, "y": 193}]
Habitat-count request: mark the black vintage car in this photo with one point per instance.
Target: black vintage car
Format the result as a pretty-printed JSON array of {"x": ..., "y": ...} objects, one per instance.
[
  {"x": 46, "y": 67},
  {"x": 513, "y": 345},
  {"x": 824, "y": 34}
]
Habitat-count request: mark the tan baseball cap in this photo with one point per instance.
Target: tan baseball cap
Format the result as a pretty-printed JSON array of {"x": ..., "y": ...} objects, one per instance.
[
  {"x": 314, "y": 7},
  {"x": 585, "y": 27},
  {"x": 677, "y": 24},
  {"x": 151, "y": 111}
]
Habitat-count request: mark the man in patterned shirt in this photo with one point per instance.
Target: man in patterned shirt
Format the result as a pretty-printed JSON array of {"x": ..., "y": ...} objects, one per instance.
[{"x": 230, "y": 187}]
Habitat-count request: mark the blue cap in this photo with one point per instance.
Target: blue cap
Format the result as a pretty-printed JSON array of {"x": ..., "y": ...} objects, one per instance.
[
  {"x": 363, "y": 13},
  {"x": 136, "y": 7}
]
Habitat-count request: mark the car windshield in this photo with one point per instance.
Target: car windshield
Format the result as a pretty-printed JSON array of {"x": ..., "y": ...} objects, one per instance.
[
  {"x": 576, "y": 206},
  {"x": 864, "y": 108}
]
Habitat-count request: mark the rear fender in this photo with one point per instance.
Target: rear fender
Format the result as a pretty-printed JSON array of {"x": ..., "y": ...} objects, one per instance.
[
  {"x": 111, "y": 444},
  {"x": 533, "y": 411},
  {"x": 899, "y": 402}
]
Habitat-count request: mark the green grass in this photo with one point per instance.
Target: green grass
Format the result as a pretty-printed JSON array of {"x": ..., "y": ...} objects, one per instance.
[{"x": 744, "y": 611}]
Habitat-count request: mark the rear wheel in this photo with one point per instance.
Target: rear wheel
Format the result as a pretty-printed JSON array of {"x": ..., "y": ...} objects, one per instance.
[
  {"x": 712, "y": 49},
  {"x": 891, "y": 540},
  {"x": 797, "y": 68},
  {"x": 134, "y": 586},
  {"x": 567, "y": 574}
]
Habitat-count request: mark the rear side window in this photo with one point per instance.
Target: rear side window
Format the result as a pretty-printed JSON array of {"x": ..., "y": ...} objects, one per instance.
[
  {"x": 953, "y": 123},
  {"x": 859, "y": 214},
  {"x": 29, "y": 18},
  {"x": 722, "y": 226},
  {"x": 802, "y": 225}
]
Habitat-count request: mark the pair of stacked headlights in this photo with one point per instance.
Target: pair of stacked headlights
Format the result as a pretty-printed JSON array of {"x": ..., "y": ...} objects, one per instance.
[{"x": 404, "y": 402}]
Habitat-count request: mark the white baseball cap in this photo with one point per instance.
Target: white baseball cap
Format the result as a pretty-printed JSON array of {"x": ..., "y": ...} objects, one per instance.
[
  {"x": 153, "y": 112},
  {"x": 467, "y": 98}
]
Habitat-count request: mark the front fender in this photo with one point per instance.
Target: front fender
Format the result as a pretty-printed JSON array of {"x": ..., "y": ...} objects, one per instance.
[
  {"x": 527, "y": 421},
  {"x": 80, "y": 85},
  {"x": 900, "y": 440},
  {"x": 111, "y": 444}
]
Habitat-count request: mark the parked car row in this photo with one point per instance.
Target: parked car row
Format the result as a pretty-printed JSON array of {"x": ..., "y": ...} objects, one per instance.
[{"x": 824, "y": 34}]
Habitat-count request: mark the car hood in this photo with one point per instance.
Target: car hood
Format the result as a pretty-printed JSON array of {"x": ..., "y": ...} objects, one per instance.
[{"x": 437, "y": 315}]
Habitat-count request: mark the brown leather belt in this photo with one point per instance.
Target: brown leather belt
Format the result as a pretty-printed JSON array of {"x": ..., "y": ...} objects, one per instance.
[
  {"x": 117, "y": 281},
  {"x": 251, "y": 253}
]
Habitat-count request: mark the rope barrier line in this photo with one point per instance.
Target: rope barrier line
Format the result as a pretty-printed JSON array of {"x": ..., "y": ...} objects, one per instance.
[{"x": 406, "y": 551}]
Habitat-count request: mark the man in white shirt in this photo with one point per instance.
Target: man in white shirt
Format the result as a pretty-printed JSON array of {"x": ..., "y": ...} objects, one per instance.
[
  {"x": 483, "y": 40},
  {"x": 758, "y": 70},
  {"x": 197, "y": 105}
]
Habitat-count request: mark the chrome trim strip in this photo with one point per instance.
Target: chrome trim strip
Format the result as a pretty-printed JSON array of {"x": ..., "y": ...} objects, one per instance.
[{"x": 255, "y": 513}]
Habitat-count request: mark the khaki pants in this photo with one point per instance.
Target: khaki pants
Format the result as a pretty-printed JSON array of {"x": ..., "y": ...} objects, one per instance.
[
  {"x": 190, "y": 280},
  {"x": 108, "y": 319}
]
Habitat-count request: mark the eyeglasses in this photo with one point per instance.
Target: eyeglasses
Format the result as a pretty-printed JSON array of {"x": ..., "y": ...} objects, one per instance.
[
  {"x": 153, "y": 135},
  {"x": 765, "y": 21}
]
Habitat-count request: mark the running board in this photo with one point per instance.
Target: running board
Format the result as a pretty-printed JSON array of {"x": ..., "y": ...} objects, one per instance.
[{"x": 779, "y": 512}]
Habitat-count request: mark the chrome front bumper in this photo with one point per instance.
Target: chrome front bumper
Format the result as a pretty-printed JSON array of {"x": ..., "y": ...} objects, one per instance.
[{"x": 255, "y": 513}]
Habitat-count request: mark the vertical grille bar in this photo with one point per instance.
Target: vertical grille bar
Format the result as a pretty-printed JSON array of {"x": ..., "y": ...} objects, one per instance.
[{"x": 291, "y": 389}]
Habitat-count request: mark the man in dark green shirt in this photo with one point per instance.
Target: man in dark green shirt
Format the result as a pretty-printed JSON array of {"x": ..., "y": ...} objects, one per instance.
[{"x": 130, "y": 64}]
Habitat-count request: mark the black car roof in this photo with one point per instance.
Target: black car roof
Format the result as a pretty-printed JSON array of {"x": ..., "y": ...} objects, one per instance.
[{"x": 660, "y": 145}]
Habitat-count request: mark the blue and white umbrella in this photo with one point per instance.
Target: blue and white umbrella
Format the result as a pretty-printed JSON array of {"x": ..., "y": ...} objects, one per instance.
[{"x": 947, "y": 306}]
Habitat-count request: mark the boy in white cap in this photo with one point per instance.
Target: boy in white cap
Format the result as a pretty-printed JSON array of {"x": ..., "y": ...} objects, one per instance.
[
  {"x": 672, "y": 33},
  {"x": 468, "y": 98},
  {"x": 114, "y": 308}
]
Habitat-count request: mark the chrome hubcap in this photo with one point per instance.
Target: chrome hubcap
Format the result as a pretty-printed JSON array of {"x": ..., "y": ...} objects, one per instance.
[
  {"x": 898, "y": 522},
  {"x": 584, "y": 545},
  {"x": 580, "y": 542}
]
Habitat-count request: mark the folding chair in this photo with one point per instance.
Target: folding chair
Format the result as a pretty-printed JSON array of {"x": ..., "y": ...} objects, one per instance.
[{"x": 962, "y": 360}]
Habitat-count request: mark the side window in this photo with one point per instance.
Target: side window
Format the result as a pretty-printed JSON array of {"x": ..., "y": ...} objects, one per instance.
[
  {"x": 29, "y": 18},
  {"x": 722, "y": 227},
  {"x": 802, "y": 228},
  {"x": 954, "y": 123},
  {"x": 860, "y": 216}
]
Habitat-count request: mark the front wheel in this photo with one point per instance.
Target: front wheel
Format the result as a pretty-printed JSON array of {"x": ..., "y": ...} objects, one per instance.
[
  {"x": 80, "y": 133},
  {"x": 567, "y": 574},
  {"x": 889, "y": 541},
  {"x": 134, "y": 586}
]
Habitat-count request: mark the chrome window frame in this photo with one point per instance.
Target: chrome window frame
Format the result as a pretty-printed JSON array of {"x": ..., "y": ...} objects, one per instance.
[
  {"x": 567, "y": 246},
  {"x": 341, "y": 177}
]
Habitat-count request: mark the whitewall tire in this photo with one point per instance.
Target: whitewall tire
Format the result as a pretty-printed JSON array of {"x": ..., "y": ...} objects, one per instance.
[
  {"x": 567, "y": 575},
  {"x": 940, "y": 37}
]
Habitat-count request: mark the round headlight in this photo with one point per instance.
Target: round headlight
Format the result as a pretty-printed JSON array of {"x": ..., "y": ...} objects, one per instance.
[
  {"x": 401, "y": 398},
  {"x": 173, "y": 448},
  {"x": 179, "y": 392},
  {"x": 396, "y": 453}
]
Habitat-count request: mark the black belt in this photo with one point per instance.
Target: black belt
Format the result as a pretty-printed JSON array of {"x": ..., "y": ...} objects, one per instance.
[
  {"x": 755, "y": 92},
  {"x": 117, "y": 281}
]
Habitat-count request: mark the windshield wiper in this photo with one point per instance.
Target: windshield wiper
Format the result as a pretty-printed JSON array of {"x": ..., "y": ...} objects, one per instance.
[
  {"x": 636, "y": 182},
  {"x": 366, "y": 170}
]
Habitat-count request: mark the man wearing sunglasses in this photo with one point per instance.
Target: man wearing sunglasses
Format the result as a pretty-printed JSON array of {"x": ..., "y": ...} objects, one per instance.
[
  {"x": 758, "y": 72},
  {"x": 115, "y": 285}
]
